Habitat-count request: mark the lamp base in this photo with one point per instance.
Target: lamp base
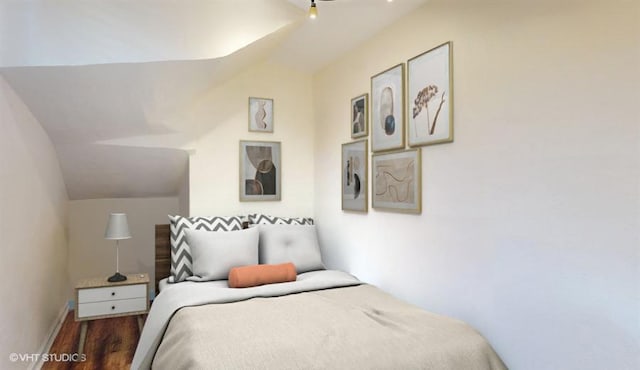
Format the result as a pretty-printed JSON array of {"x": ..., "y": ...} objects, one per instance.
[{"x": 117, "y": 277}]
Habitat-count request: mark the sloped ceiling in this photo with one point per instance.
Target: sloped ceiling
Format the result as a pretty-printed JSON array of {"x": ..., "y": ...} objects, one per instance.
[{"x": 110, "y": 81}]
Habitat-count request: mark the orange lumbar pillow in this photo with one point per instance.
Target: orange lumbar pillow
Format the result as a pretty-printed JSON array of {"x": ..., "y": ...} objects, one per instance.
[{"x": 254, "y": 275}]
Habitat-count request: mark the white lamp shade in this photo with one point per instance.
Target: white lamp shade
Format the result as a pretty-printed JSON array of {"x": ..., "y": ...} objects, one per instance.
[{"x": 117, "y": 227}]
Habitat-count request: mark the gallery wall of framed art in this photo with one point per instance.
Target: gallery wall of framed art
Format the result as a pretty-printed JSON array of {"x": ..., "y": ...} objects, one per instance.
[{"x": 411, "y": 106}]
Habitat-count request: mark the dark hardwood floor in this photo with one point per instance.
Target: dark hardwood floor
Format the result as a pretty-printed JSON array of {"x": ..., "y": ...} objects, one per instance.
[{"x": 110, "y": 344}]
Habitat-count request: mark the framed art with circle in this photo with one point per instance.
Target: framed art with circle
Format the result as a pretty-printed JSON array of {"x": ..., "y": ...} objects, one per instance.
[
  {"x": 260, "y": 171},
  {"x": 355, "y": 176},
  {"x": 387, "y": 109}
]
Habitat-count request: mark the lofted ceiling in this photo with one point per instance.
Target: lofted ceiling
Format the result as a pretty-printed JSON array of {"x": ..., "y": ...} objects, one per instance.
[{"x": 111, "y": 81}]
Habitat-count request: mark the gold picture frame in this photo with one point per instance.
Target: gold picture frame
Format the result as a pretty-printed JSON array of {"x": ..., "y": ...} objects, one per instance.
[
  {"x": 387, "y": 109},
  {"x": 430, "y": 97},
  {"x": 355, "y": 176},
  {"x": 397, "y": 181},
  {"x": 359, "y": 126},
  {"x": 260, "y": 171},
  {"x": 260, "y": 114}
]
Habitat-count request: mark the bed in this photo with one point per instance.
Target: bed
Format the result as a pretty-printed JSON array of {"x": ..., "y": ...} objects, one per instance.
[{"x": 325, "y": 319}]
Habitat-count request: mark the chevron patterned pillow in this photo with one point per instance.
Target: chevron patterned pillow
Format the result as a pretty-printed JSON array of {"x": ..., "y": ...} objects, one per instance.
[
  {"x": 181, "y": 260},
  {"x": 258, "y": 219}
]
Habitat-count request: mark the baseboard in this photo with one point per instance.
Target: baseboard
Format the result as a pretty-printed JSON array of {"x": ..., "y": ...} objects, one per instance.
[{"x": 53, "y": 333}]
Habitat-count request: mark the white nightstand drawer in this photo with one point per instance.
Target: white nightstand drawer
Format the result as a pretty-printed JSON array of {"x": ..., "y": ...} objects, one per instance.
[
  {"x": 112, "y": 293},
  {"x": 114, "y": 307}
]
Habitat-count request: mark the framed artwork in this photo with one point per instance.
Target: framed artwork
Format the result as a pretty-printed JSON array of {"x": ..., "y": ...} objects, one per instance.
[
  {"x": 355, "y": 189},
  {"x": 387, "y": 109},
  {"x": 260, "y": 170},
  {"x": 397, "y": 181},
  {"x": 430, "y": 89},
  {"x": 359, "y": 116},
  {"x": 260, "y": 115}
]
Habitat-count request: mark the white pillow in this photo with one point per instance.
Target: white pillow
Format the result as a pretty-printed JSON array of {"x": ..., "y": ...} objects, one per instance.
[
  {"x": 291, "y": 243},
  {"x": 215, "y": 253},
  {"x": 180, "y": 250}
]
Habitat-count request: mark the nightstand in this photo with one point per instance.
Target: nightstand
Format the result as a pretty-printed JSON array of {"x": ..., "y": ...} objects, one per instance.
[{"x": 97, "y": 298}]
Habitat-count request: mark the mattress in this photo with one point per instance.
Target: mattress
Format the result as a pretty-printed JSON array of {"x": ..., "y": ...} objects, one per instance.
[{"x": 163, "y": 284}]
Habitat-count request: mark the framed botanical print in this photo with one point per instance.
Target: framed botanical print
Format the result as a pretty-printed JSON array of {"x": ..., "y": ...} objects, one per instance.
[
  {"x": 355, "y": 181},
  {"x": 359, "y": 116},
  {"x": 387, "y": 109},
  {"x": 260, "y": 170},
  {"x": 260, "y": 115},
  {"x": 397, "y": 181},
  {"x": 430, "y": 90}
]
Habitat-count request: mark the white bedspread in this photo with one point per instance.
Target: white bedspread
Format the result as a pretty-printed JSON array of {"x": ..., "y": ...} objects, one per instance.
[
  {"x": 186, "y": 294},
  {"x": 336, "y": 322}
]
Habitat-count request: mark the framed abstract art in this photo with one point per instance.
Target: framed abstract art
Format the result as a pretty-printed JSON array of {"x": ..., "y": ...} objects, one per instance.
[
  {"x": 355, "y": 176},
  {"x": 260, "y": 115},
  {"x": 397, "y": 181},
  {"x": 260, "y": 171},
  {"x": 359, "y": 116},
  {"x": 387, "y": 109}
]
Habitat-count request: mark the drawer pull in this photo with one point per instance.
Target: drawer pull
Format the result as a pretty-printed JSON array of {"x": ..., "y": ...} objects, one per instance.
[
  {"x": 113, "y": 307},
  {"x": 113, "y": 293}
]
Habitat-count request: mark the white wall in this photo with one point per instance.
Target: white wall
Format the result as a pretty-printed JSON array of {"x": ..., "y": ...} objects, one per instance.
[
  {"x": 222, "y": 117},
  {"x": 91, "y": 255},
  {"x": 531, "y": 218},
  {"x": 183, "y": 194},
  {"x": 33, "y": 211}
]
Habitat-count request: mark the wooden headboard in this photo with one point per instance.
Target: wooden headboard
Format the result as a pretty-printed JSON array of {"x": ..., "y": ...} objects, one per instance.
[{"x": 163, "y": 253}]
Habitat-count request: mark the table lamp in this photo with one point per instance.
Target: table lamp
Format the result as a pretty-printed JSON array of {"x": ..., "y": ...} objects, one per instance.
[{"x": 117, "y": 229}]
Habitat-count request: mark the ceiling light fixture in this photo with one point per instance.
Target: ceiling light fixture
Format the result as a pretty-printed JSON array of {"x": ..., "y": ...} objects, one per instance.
[{"x": 313, "y": 11}]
